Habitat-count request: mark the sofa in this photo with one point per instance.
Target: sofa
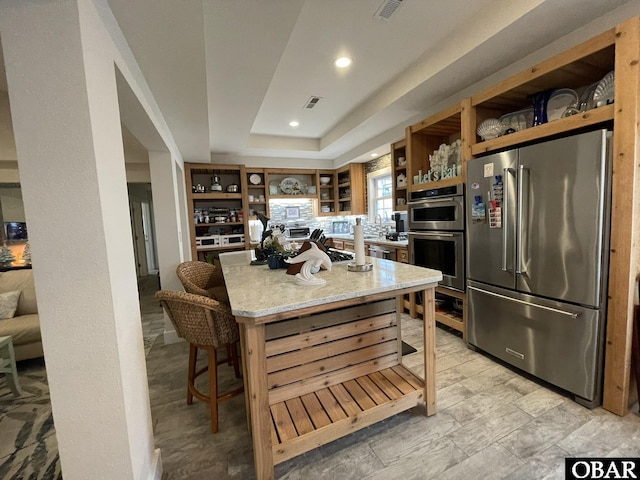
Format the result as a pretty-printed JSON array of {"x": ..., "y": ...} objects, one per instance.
[{"x": 24, "y": 325}]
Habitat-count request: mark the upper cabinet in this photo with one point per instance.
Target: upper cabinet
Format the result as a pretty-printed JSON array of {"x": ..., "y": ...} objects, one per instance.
[
  {"x": 400, "y": 169},
  {"x": 436, "y": 149},
  {"x": 519, "y": 101},
  {"x": 350, "y": 189},
  {"x": 328, "y": 191},
  {"x": 257, "y": 192}
]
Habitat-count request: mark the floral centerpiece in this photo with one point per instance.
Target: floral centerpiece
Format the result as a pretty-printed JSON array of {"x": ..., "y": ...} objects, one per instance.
[{"x": 276, "y": 253}]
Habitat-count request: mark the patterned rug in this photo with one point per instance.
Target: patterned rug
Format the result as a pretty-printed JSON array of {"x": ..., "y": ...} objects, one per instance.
[{"x": 28, "y": 445}]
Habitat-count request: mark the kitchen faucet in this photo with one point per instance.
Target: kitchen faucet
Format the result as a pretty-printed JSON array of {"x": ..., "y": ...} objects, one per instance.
[{"x": 375, "y": 222}]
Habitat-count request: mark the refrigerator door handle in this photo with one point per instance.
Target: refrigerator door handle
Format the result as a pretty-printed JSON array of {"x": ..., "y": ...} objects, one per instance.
[
  {"x": 544, "y": 307},
  {"x": 519, "y": 219},
  {"x": 505, "y": 223}
]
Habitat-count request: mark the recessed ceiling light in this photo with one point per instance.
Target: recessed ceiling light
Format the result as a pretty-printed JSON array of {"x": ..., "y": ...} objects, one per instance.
[
  {"x": 342, "y": 62},
  {"x": 374, "y": 154},
  {"x": 294, "y": 123}
]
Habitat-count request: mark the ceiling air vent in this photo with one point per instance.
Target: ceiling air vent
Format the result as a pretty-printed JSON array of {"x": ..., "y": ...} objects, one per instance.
[
  {"x": 312, "y": 102},
  {"x": 387, "y": 9}
]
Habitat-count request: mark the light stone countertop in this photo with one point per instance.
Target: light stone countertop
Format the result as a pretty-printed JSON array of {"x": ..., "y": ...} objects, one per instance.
[{"x": 256, "y": 290}]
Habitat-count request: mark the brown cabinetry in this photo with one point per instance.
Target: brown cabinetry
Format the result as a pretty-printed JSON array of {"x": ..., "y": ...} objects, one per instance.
[
  {"x": 217, "y": 220},
  {"x": 401, "y": 171},
  {"x": 257, "y": 192},
  {"x": 350, "y": 189},
  {"x": 577, "y": 68},
  {"x": 427, "y": 142},
  {"x": 328, "y": 192},
  {"x": 617, "y": 49}
]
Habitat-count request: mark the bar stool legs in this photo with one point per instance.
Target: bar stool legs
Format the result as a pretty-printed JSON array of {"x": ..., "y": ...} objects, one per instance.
[{"x": 213, "y": 399}]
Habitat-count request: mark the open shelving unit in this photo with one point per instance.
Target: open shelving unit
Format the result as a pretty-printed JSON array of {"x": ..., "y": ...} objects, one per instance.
[
  {"x": 350, "y": 189},
  {"x": 257, "y": 193},
  {"x": 401, "y": 168},
  {"x": 328, "y": 193},
  {"x": 216, "y": 201}
]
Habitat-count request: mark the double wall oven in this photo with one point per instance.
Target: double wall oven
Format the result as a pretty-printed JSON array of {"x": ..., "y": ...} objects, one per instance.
[{"x": 436, "y": 233}]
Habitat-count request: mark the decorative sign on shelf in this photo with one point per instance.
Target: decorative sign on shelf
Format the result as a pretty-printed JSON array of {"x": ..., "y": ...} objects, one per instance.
[{"x": 446, "y": 162}]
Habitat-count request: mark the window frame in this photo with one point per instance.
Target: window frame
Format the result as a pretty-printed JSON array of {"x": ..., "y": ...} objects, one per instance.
[{"x": 372, "y": 179}]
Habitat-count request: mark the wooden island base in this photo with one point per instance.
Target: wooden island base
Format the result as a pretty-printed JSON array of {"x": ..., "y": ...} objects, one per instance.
[{"x": 317, "y": 377}]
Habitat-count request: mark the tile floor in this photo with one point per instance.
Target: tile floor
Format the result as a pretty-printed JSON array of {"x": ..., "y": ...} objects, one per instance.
[{"x": 491, "y": 423}]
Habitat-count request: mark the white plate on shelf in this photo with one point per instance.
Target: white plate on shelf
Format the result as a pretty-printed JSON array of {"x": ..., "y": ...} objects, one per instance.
[
  {"x": 255, "y": 179},
  {"x": 559, "y": 101}
]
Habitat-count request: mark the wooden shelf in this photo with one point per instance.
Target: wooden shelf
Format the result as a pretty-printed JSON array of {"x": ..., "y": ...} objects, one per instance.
[
  {"x": 218, "y": 224},
  {"x": 217, "y": 196},
  {"x": 447, "y": 182},
  {"x": 290, "y": 197},
  {"x": 584, "y": 119},
  {"x": 453, "y": 320},
  {"x": 300, "y": 423}
]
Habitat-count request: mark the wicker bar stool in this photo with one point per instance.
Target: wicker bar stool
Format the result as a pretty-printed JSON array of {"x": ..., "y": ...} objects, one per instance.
[
  {"x": 202, "y": 278},
  {"x": 206, "y": 324}
]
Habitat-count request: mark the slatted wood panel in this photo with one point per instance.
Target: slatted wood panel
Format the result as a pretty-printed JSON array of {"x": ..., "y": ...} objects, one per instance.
[
  {"x": 301, "y": 363},
  {"x": 303, "y": 423}
]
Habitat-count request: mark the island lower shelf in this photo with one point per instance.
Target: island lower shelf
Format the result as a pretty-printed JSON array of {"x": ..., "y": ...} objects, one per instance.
[
  {"x": 332, "y": 373},
  {"x": 302, "y": 423}
]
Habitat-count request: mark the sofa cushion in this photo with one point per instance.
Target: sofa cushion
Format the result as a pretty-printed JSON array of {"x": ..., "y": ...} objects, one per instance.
[
  {"x": 8, "y": 304},
  {"x": 22, "y": 330},
  {"x": 20, "y": 280}
]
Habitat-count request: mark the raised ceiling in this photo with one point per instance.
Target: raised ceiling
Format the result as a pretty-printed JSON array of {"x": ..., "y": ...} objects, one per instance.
[{"x": 229, "y": 75}]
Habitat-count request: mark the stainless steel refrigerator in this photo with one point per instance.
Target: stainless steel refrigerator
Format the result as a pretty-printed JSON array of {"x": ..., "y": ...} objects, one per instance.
[{"x": 537, "y": 259}]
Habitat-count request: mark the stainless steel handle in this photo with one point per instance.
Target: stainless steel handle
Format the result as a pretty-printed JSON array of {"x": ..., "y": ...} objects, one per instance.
[
  {"x": 432, "y": 200},
  {"x": 505, "y": 210},
  {"x": 519, "y": 220},
  {"x": 504, "y": 297},
  {"x": 427, "y": 234}
]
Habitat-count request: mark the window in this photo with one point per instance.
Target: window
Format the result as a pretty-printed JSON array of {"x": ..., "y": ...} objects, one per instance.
[{"x": 380, "y": 195}]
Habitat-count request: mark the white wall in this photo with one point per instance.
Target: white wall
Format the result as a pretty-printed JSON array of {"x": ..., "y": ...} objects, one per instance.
[{"x": 61, "y": 58}]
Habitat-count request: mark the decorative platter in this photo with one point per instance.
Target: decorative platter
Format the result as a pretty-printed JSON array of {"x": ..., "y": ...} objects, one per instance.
[
  {"x": 293, "y": 186},
  {"x": 520, "y": 120},
  {"x": 603, "y": 94},
  {"x": 559, "y": 101},
  {"x": 255, "y": 179}
]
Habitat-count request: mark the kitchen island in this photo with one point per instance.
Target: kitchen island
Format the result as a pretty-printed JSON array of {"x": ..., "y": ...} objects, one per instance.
[{"x": 324, "y": 361}]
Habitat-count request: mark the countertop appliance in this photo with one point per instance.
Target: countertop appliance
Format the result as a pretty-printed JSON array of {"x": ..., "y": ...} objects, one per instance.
[
  {"x": 379, "y": 251},
  {"x": 436, "y": 233},
  {"x": 297, "y": 232},
  {"x": 537, "y": 261}
]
